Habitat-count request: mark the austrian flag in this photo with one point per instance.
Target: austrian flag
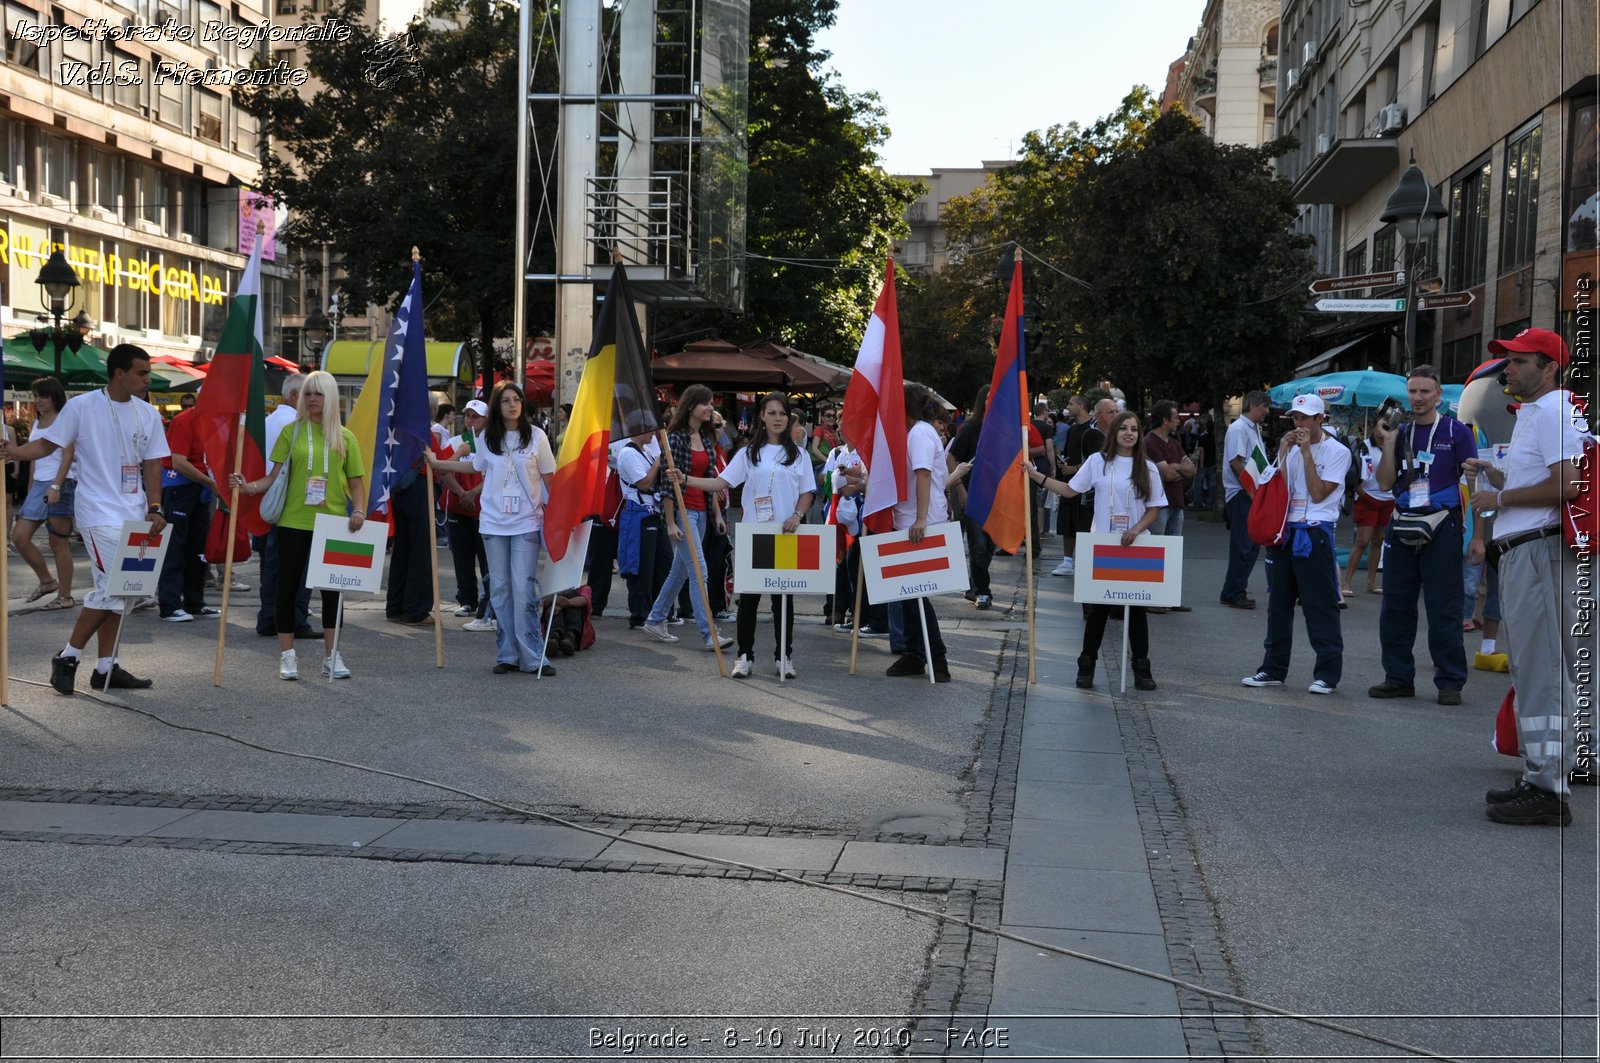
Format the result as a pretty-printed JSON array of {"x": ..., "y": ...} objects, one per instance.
[{"x": 898, "y": 569}]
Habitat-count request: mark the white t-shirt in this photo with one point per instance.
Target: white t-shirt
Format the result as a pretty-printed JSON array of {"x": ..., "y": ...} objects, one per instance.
[
  {"x": 924, "y": 450},
  {"x": 109, "y": 435},
  {"x": 1547, "y": 431},
  {"x": 277, "y": 421},
  {"x": 1332, "y": 459},
  {"x": 513, "y": 497},
  {"x": 1244, "y": 436},
  {"x": 1371, "y": 454},
  {"x": 848, "y": 511},
  {"x": 633, "y": 465},
  {"x": 1117, "y": 505},
  {"x": 44, "y": 470},
  {"x": 770, "y": 479}
]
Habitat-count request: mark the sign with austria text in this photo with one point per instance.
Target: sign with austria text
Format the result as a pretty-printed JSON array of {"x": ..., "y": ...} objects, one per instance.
[
  {"x": 345, "y": 560},
  {"x": 1150, "y": 572},
  {"x": 768, "y": 560},
  {"x": 898, "y": 569},
  {"x": 136, "y": 569}
]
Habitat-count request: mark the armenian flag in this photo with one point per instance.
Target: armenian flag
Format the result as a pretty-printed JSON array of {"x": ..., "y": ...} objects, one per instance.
[
  {"x": 997, "y": 496},
  {"x": 1130, "y": 564}
]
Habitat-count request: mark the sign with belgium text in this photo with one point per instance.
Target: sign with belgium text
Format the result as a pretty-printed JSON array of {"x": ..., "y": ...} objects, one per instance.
[
  {"x": 898, "y": 569},
  {"x": 1150, "y": 572},
  {"x": 768, "y": 560},
  {"x": 345, "y": 560},
  {"x": 136, "y": 569}
]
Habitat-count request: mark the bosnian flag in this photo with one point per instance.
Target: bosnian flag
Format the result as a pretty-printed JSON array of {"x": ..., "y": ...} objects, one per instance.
[{"x": 874, "y": 417}]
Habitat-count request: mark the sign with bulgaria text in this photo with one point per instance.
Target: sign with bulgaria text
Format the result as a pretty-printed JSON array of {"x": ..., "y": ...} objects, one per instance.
[
  {"x": 1150, "y": 572},
  {"x": 768, "y": 560},
  {"x": 898, "y": 569},
  {"x": 136, "y": 569},
  {"x": 345, "y": 560}
]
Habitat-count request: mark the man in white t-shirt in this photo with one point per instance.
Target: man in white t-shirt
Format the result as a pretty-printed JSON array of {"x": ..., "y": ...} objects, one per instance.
[
  {"x": 1302, "y": 567},
  {"x": 1240, "y": 448},
  {"x": 1539, "y": 605},
  {"x": 267, "y": 545},
  {"x": 119, "y": 443}
]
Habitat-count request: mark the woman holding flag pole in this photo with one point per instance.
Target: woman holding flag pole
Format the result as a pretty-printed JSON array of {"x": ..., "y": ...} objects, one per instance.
[{"x": 323, "y": 462}]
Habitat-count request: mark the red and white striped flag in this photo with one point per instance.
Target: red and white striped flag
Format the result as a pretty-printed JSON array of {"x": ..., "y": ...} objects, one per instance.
[{"x": 874, "y": 418}]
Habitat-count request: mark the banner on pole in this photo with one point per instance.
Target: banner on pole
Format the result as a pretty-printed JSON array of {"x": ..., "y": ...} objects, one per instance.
[
  {"x": 1150, "y": 572},
  {"x": 558, "y": 576},
  {"x": 136, "y": 569},
  {"x": 768, "y": 560},
  {"x": 345, "y": 560},
  {"x": 897, "y": 569}
]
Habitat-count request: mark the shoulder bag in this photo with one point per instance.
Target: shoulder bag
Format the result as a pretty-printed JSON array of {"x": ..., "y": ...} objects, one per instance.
[{"x": 278, "y": 493}]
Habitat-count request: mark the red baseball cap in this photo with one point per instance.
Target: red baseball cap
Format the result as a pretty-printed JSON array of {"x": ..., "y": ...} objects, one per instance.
[{"x": 1533, "y": 341}]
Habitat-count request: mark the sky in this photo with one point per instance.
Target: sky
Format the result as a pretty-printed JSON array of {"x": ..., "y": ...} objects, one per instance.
[{"x": 963, "y": 81}]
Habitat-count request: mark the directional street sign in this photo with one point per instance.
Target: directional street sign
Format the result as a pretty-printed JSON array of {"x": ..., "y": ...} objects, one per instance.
[
  {"x": 1359, "y": 280},
  {"x": 1444, "y": 300},
  {"x": 1360, "y": 306}
]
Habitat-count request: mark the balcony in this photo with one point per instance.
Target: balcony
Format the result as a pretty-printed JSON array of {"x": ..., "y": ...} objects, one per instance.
[
  {"x": 1269, "y": 74},
  {"x": 1343, "y": 173},
  {"x": 1204, "y": 87}
]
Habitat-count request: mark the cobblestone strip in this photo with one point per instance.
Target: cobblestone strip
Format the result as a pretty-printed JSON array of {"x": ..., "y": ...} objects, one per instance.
[
  {"x": 1214, "y": 1029},
  {"x": 991, "y": 778}
]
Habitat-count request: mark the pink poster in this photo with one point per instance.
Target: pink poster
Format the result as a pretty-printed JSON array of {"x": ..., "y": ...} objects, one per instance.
[{"x": 257, "y": 211}]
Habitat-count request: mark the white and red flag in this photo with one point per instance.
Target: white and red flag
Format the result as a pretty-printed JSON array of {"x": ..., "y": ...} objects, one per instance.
[
  {"x": 874, "y": 418},
  {"x": 897, "y": 568}
]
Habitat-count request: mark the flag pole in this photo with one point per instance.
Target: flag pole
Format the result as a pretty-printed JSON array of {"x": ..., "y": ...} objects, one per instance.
[
  {"x": 433, "y": 558},
  {"x": 694, "y": 556},
  {"x": 927, "y": 646},
  {"x": 227, "y": 566},
  {"x": 338, "y": 625},
  {"x": 783, "y": 633},
  {"x": 1127, "y": 611},
  {"x": 855, "y": 617},
  {"x": 1027, "y": 548}
]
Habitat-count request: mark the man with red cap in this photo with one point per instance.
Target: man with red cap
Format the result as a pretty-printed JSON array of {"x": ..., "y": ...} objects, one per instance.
[{"x": 1539, "y": 613}]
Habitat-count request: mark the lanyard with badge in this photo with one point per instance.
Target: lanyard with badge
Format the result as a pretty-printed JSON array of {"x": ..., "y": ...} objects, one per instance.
[
  {"x": 316, "y": 486},
  {"x": 1120, "y": 521},
  {"x": 511, "y": 501},
  {"x": 1300, "y": 501},
  {"x": 1421, "y": 463},
  {"x": 130, "y": 468},
  {"x": 764, "y": 510}
]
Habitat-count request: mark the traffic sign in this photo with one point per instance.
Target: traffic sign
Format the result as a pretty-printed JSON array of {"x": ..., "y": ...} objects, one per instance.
[
  {"x": 1360, "y": 306},
  {"x": 1358, "y": 280},
  {"x": 1444, "y": 300}
]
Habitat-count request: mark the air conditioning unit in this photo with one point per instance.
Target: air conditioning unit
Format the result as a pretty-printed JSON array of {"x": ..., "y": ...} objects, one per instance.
[
  {"x": 1308, "y": 53},
  {"x": 1324, "y": 142},
  {"x": 1391, "y": 120},
  {"x": 1291, "y": 79}
]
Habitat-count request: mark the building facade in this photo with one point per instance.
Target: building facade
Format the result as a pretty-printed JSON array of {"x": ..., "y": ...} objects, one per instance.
[
  {"x": 1228, "y": 80},
  {"x": 927, "y": 249}
]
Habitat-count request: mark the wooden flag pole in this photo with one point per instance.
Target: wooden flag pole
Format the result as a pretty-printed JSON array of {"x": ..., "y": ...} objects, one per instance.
[
  {"x": 227, "y": 566},
  {"x": 433, "y": 559},
  {"x": 861, "y": 579},
  {"x": 1027, "y": 547},
  {"x": 694, "y": 556}
]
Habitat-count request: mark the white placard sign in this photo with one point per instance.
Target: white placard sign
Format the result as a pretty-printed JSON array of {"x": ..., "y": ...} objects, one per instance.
[
  {"x": 557, "y": 576},
  {"x": 345, "y": 560},
  {"x": 136, "y": 569},
  {"x": 768, "y": 560},
  {"x": 1150, "y": 572},
  {"x": 897, "y": 569}
]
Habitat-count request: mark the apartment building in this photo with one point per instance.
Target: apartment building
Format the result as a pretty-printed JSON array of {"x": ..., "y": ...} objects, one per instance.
[
  {"x": 1228, "y": 81},
  {"x": 927, "y": 249},
  {"x": 1496, "y": 101},
  {"x": 122, "y": 145}
]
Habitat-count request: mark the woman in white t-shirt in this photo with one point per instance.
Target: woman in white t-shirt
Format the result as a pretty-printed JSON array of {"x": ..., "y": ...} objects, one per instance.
[
  {"x": 925, "y": 503},
  {"x": 1128, "y": 497},
  {"x": 514, "y": 459},
  {"x": 49, "y": 500},
  {"x": 779, "y": 484}
]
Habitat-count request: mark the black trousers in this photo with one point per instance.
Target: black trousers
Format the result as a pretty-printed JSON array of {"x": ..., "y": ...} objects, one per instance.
[
  {"x": 1094, "y": 629},
  {"x": 294, "y": 558},
  {"x": 466, "y": 550},
  {"x": 410, "y": 594},
  {"x": 602, "y": 555},
  {"x": 183, "y": 573},
  {"x": 655, "y": 561},
  {"x": 745, "y": 625}
]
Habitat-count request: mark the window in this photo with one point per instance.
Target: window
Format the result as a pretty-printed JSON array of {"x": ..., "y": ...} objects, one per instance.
[
  {"x": 246, "y": 132},
  {"x": 18, "y": 51},
  {"x": 169, "y": 101},
  {"x": 286, "y": 7},
  {"x": 1519, "y": 211},
  {"x": 1459, "y": 357},
  {"x": 1469, "y": 226},
  {"x": 208, "y": 14},
  {"x": 1385, "y": 246},
  {"x": 208, "y": 124},
  {"x": 60, "y": 166},
  {"x": 10, "y": 152},
  {"x": 77, "y": 56},
  {"x": 1355, "y": 260},
  {"x": 194, "y": 210},
  {"x": 130, "y": 312},
  {"x": 1583, "y": 176},
  {"x": 129, "y": 88},
  {"x": 152, "y": 195},
  {"x": 107, "y": 181}
]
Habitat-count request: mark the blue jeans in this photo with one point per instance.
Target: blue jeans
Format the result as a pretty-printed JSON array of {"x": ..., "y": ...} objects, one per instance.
[
  {"x": 1170, "y": 522},
  {"x": 182, "y": 584},
  {"x": 679, "y": 575},
  {"x": 1313, "y": 581},
  {"x": 1435, "y": 571},
  {"x": 1242, "y": 553},
  {"x": 514, "y": 590},
  {"x": 1470, "y": 578}
]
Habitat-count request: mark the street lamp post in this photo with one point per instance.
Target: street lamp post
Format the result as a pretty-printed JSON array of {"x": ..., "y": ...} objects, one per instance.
[
  {"x": 315, "y": 330},
  {"x": 1414, "y": 209},
  {"x": 58, "y": 280}
]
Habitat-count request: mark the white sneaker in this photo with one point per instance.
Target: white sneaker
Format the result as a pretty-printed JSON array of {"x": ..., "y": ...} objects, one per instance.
[
  {"x": 335, "y": 664},
  {"x": 785, "y": 669},
  {"x": 658, "y": 629},
  {"x": 178, "y": 616},
  {"x": 288, "y": 665},
  {"x": 239, "y": 586},
  {"x": 466, "y": 610},
  {"x": 723, "y": 642},
  {"x": 741, "y": 667},
  {"x": 141, "y": 604},
  {"x": 1063, "y": 569},
  {"x": 1319, "y": 687},
  {"x": 1260, "y": 679},
  {"x": 485, "y": 623}
]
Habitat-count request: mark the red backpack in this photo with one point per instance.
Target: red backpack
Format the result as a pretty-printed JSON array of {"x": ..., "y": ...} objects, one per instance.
[{"x": 1269, "y": 511}]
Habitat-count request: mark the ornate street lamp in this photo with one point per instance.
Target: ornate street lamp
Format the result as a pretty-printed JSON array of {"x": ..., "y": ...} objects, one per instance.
[
  {"x": 57, "y": 281},
  {"x": 316, "y": 331},
  {"x": 1414, "y": 209}
]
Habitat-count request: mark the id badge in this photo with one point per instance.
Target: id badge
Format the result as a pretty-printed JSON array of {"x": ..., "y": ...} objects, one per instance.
[
  {"x": 1298, "y": 508},
  {"x": 316, "y": 490},
  {"x": 510, "y": 505},
  {"x": 1119, "y": 522},
  {"x": 1417, "y": 496},
  {"x": 763, "y": 508},
  {"x": 130, "y": 479}
]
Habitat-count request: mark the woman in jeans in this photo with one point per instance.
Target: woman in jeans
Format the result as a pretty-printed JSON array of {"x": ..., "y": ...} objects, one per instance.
[
  {"x": 693, "y": 443},
  {"x": 323, "y": 462},
  {"x": 513, "y": 458},
  {"x": 49, "y": 502}
]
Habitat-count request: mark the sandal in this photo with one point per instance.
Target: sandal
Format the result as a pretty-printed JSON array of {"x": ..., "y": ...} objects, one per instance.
[
  {"x": 59, "y": 603},
  {"x": 43, "y": 589}
]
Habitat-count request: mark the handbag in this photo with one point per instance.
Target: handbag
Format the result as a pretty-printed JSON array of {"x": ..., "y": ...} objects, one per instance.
[
  {"x": 1269, "y": 511},
  {"x": 1416, "y": 529},
  {"x": 272, "y": 502}
]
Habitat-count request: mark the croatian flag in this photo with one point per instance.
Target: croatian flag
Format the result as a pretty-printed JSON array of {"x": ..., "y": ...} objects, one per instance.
[
  {"x": 1130, "y": 564},
  {"x": 912, "y": 559},
  {"x": 138, "y": 564}
]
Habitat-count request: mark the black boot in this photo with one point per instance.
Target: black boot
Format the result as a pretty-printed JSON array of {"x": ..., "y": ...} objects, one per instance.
[
  {"x": 1142, "y": 679},
  {"x": 1086, "y": 670}
]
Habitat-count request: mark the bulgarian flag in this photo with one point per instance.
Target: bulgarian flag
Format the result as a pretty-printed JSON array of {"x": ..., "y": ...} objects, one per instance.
[
  {"x": 346, "y": 553},
  {"x": 616, "y": 399},
  {"x": 874, "y": 417},
  {"x": 231, "y": 406}
]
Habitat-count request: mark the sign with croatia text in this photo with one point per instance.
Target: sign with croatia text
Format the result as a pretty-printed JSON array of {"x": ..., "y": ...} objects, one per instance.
[
  {"x": 345, "y": 560},
  {"x": 768, "y": 560},
  {"x": 136, "y": 569},
  {"x": 1150, "y": 572},
  {"x": 898, "y": 569}
]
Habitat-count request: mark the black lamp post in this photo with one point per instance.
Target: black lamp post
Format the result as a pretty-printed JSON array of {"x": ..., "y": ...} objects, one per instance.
[
  {"x": 1414, "y": 208},
  {"x": 316, "y": 331},
  {"x": 58, "y": 280}
]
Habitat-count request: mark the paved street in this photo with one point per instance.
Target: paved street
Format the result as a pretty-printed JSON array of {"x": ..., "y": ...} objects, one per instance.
[{"x": 173, "y": 893}]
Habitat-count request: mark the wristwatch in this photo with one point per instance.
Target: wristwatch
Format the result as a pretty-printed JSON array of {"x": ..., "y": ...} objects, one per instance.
[{"x": 152, "y": 509}]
